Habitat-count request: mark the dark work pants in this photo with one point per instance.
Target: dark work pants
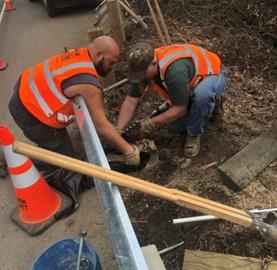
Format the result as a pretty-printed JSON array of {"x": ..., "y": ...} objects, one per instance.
[{"x": 56, "y": 140}]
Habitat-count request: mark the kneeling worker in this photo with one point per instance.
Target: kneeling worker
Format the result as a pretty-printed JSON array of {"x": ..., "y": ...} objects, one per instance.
[{"x": 189, "y": 77}]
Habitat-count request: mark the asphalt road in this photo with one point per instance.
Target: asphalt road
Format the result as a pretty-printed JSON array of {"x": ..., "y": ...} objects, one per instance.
[{"x": 27, "y": 36}]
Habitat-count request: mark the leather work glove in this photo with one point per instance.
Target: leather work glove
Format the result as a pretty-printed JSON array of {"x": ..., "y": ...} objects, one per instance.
[
  {"x": 132, "y": 158},
  {"x": 147, "y": 126}
]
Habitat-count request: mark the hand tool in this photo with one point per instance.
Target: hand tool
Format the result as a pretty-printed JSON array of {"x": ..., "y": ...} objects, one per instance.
[
  {"x": 83, "y": 234},
  {"x": 178, "y": 197},
  {"x": 162, "y": 108}
]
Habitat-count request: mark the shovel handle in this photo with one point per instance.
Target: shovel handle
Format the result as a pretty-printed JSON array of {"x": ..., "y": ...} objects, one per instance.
[{"x": 178, "y": 197}]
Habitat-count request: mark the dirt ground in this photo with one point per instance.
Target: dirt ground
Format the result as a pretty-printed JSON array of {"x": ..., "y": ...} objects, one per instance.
[{"x": 243, "y": 34}]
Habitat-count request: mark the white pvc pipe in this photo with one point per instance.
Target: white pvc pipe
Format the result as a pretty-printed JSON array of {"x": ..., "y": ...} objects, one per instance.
[
  {"x": 2, "y": 11},
  {"x": 115, "y": 85},
  {"x": 210, "y": 217}
]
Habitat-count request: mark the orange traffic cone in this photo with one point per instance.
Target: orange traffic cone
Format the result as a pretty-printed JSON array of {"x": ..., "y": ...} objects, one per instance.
[
  {"x": 9, "y": 5},
  {"x": 3, "y": 65},
  {"x": 38, "y": 203}
]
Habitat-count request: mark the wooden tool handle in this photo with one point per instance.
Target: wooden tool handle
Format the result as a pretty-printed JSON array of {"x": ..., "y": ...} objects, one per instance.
[
  {"x": 178, "y": 197},
  {"x": 168, "y": 40},
  {"x": 154, "y": 18}
]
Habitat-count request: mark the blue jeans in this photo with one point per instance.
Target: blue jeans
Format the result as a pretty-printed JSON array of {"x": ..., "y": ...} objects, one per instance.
[{"x": 201, "y": 105}]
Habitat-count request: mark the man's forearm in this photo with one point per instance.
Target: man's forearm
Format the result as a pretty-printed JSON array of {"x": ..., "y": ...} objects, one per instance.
[
  {"x": 93, "y": 99},
  {"x": 126, "y": 113},
  {"x": 112, "y": 137}
]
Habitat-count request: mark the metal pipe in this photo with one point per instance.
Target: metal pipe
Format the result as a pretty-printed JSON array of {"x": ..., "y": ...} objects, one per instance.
[
  {"x": 115, "y": 85},
  {"x": 82, "y": 238},
  {"x": 127, "y": 251},
  {"x": 210, "y": 217}
]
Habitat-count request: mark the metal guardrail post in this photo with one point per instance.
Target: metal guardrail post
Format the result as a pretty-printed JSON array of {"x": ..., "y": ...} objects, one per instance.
[{"x": 125, "y": 244}]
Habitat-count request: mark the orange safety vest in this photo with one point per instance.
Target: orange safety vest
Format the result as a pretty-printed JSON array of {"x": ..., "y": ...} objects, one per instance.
[
  {"x": 40, "y": 87},
  {"x": 205, "y": 63}
]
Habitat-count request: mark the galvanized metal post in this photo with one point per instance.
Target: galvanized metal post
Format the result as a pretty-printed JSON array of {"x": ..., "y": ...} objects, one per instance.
[{"x": 126, "y": 248}]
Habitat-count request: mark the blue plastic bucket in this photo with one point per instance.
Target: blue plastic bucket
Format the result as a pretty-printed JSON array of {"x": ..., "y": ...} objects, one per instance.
[{"x": 63, "y": 255}]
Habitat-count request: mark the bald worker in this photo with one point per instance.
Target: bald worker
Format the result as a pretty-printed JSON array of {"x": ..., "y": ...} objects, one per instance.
[{"x": 41, "y": 105}]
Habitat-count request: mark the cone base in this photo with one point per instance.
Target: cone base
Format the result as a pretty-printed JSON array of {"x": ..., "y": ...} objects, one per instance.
[
  {"x": 9, "y": 6},
  {"x": 9, "y": 9},
  {"x": 38, "y": 228},
  {"x": 3, "y": 65}
]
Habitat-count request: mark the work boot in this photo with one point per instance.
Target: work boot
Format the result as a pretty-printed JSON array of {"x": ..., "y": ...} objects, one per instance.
[
  {"x": 218, "y": 109},
  {"x": 192, "y": 146}
]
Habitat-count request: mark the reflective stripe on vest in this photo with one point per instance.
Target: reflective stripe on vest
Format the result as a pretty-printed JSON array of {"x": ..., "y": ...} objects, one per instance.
[
  {"x": 47, "y": 111},
  {"x": 72, "y": 66},
  {"x": 65, "y": 118},
  {"x": 167, "y": 58},
  {"x": 51, "y": 85},
  {"x": 187, "y": 50},
  {"x": 209, "y": 64},
  {"x": 26, "y": 179}
]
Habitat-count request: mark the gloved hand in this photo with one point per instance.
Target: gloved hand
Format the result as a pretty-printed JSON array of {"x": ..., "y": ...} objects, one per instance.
[
  {"x": 132, "y": 158},
  {"x": 147, "y": 125}
]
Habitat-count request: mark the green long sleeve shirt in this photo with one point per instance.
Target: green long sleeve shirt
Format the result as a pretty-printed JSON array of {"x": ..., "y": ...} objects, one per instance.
[{"x": 177, "y": 78}]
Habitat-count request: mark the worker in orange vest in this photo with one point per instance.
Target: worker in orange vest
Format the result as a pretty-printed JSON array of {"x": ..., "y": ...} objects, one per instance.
[
  {"x": 190, "y": 78},
  {"x": 41, "y": 105}
]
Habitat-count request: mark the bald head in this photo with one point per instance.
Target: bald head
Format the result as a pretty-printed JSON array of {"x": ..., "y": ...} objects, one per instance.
[
  {"x": 104, "y": 52},
  {"x": 105, "y": 44}
]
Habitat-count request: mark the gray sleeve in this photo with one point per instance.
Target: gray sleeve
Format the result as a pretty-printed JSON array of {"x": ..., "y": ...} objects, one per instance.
[{"x": 83, "y": 78}]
